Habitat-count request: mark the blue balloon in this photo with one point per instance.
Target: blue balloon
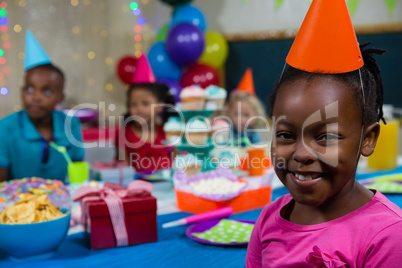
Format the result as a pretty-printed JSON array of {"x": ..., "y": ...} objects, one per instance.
[
  {"x": 189, "y": 14},
  {"x": 185, "y": 43},
  {"x": 174, "y": 88},
  {"x": 162, "y": 65}
]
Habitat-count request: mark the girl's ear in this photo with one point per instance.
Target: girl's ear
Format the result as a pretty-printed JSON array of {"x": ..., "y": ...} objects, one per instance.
[
  {"x": 370, "y": 139},
  {"x": 61, "y": 98}
]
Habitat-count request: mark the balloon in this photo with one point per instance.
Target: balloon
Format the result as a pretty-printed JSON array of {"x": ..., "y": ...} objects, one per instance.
[
  {"x": 185, "y": 43},
  {"x": 188, "y": 14},
  {"x": 199, "y": 74},
  {"x": 174, "y": 88},
  {"x": 125, "y": 68},
  {"x": 174, "y": 3},
  {"x": 162, "y": 33},
  {"x": 215, "y": 51},
  {"x": 162, "y": 65}
]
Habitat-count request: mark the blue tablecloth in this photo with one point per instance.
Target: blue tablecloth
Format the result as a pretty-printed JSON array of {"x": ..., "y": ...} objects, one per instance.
[{"x": 173, "y": 249}]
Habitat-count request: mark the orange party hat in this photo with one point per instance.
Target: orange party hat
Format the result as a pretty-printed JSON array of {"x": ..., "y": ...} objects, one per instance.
[
  {"x": 247, "y": 83},
  {"x": 326, "y": 41},
  {"x": 143, "y": 72}
]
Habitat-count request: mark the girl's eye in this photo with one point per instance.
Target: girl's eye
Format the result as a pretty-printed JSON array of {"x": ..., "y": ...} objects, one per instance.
[
  {"x": 48, "y": 92},
  {"x": 328, "y": 137},
  {"x": 29, "y": 89},
  {"x": 284, "y": 136}
]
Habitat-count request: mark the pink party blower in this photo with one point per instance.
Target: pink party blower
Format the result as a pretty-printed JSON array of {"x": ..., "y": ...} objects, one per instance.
[{"x": 206, "y": 216}]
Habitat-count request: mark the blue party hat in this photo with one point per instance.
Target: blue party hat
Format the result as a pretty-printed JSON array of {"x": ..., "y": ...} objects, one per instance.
[{"x": 34, "y": 53}]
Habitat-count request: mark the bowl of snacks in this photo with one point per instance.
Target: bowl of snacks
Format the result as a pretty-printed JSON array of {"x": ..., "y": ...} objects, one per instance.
[{"x": 33, "y": 228}]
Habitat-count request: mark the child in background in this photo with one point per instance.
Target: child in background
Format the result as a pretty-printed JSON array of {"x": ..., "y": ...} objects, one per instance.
[
  {"x": 140, "y": 141},
  {"x": 326, "y": 110},
  {"x": 246, "y": 113},
  {"x": 25, "y": 135}
]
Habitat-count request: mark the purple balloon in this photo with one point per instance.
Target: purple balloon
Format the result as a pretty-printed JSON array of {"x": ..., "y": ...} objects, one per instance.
[
  {"x": 185, "y": 43},
  {"x": 174, "y": 88}
]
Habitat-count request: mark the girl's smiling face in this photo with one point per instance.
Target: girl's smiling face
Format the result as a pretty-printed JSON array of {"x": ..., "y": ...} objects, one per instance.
[{"x": 317, "y": 137}]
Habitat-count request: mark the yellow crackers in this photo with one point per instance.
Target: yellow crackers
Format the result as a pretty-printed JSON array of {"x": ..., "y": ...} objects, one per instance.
[{"x": 30, "y": 210}]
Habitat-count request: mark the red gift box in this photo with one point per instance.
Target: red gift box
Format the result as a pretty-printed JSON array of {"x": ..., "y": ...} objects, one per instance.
[{"x": 139, "y": 220}]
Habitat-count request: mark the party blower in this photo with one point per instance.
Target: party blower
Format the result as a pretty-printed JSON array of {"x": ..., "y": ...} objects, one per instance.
[{"x": 206, "y": 216}]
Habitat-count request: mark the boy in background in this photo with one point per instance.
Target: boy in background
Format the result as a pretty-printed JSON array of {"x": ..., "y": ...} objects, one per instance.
[{"x": 25, "y": 135}]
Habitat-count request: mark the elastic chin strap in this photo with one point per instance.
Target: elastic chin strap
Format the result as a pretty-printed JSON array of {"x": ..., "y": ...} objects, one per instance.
[{"x": 364, "y": 105}]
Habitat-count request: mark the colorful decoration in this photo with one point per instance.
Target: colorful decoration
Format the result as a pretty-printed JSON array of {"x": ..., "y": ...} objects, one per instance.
[
  {"x": 216, "y": 50},
  {"x": 125, "y": 68},
  {"x": 182, "y": 43},
  {"x": 189, "y": 14},
  {"x": 185, "y": 43},
  {"x": 352, "y": 6},
  {"x": 391, "y": 4},
  {"x": 138, "y": 28},
  {"x": 317, "y": 48},
  {"x": 162, "y": 64},
  {"x": 200, "y": 74},
  {"x": 162, "y": 33},
  {"x": 34, "y": 53},
  {"x": 5, "y": 45},
  {"x": 143, "y": 72},
  {"x": 278, "y": 4}
]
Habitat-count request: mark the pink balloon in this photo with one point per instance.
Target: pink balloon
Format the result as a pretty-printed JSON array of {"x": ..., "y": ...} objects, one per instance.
[{"x": 200, "y": 74}]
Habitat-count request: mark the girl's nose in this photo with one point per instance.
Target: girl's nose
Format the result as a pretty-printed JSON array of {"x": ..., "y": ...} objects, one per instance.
[
  {"x": 36, "y": 94},
  {"x": 304, "y": 154}
]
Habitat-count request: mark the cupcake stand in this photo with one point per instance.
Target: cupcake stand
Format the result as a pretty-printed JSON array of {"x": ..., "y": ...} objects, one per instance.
[{"x": 255, "y": 194}]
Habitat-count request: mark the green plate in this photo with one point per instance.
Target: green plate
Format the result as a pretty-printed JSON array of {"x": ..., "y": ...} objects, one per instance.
[{"x": 200, "y": 114}]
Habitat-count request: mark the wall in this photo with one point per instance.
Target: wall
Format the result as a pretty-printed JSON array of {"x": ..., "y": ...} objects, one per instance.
[{"x": 88, "y": 37}]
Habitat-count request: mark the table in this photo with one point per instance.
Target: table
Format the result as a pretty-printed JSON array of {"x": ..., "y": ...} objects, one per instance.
[{"x": 173, "y": 248}]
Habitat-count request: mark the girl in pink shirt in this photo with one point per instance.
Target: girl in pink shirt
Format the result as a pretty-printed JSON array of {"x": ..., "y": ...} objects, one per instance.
[{"x": 324, "y": 121}]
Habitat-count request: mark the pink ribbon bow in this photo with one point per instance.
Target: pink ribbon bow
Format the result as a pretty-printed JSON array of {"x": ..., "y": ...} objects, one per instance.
[{"x": 112, "y": 194}]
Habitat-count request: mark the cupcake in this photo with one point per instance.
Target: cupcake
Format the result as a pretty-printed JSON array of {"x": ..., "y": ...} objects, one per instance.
[
  {"x": 174, "y": 128},
  {"x": 192, "y": 98},
  {"x": 197, "y": 132},
  {"x": 220, "y": 131},
  {"x": 215, "y": 97},
  {"x": 188, "y": 163}
]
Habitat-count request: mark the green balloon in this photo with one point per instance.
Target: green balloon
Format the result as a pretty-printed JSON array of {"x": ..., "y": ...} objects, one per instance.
[{"x": 162, "y": 33}]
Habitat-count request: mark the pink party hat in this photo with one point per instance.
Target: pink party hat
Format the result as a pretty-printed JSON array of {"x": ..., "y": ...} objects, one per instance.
[{"x": 143, "y": 72}]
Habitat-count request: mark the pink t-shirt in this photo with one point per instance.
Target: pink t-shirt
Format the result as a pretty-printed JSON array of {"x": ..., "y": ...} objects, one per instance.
[{"x": 370, "y": 236}]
